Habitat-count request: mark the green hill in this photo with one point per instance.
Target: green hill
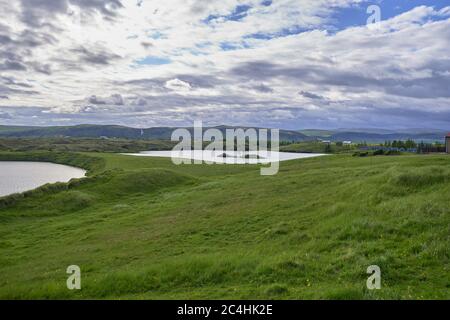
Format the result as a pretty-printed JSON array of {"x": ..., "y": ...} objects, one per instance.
[
  {"x": 145, "y": 228},
  {"x": 317, "y": 133},
  {"x": 164, "y": 133},
  {"x": 113, "y": 131}
]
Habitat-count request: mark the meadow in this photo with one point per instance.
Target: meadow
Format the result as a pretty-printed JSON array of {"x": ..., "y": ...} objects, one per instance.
[{"x": 143, "y": 228}]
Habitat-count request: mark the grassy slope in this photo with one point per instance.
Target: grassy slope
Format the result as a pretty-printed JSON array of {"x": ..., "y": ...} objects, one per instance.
[
  {"x": 315, "y": 147},
  {"x": 82, "y": 145},
  {"x": 144, "y": 228},
  {"x": 97, "y": 131}
]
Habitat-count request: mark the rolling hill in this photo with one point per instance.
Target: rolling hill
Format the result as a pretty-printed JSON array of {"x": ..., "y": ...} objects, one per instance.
[
  {"x": 380, "y": 138},
  {"x": 164, "y": 133},
  {"x": 143, "y": 228},
  {"x": 112, "y": 131},
  {"x": 376, "y": 135}
]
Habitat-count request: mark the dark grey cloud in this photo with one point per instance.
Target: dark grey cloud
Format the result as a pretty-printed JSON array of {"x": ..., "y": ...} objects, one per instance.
[
  {"x": 155, "y": 113},
  {"x": 12, "y": 91},
  {"x": 16, "y": 53},
  {"x": 255, "y": 70},
  {"x": 95, "y": 100},
  {"x": 37, "y": 13},
  {"x": 115, "y": 99},
  {"x": 26, "y": 39},
  {"x": 144, "y": 83},
  {"x": 42, "y": 68},
  {"x": 200, "y": 81},
  {"x": 25, "y": 112},
  {"x": 96, "y": 56},
  {"x": 415, "y": 115},
  {"x": 176, "y": 101},
  {"x": 32, "y": 38},
  {"x": 435, "y": 85},
  {"x": 9, "y": 54},
  {"x": 159, "y": 84},
  {"x": 9, "y": 65},
  {"x": 5, "y": 39},
  {"x": 311, "y": 95},
  {"x": 262, "y": 88},
  {"x": 41, "y": 13},
  {"x": 11, "y": 86},
  {"x": 13, "y": 82},
  {"x": 147, "y": 44},
  {"x": 4, "y": 115},
  {"x": 141, "y": 102},
  {"x": 108, "y": 8},
  {"x": 4, "y": 28}
]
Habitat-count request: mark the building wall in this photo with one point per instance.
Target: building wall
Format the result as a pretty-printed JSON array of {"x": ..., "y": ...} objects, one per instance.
[{"x": 447, "y": 144}]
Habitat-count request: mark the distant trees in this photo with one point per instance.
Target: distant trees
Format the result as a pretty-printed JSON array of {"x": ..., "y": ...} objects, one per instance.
[
  {"x": 362, "y": 144},
  {"x": 430, "y": 147},
  {"x": 287, "y": 142},
  {"x": 421, "y": 147},
  {"x": 408, "y": 144}
]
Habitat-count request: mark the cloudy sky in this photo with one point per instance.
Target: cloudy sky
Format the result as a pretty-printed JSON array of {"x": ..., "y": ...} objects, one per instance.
[{"x": 283, "y": 63}]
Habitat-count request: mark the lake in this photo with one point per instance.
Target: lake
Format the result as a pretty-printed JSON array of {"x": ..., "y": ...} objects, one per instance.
[
  {"x": 228, "y": 157},
  {"x": 20, "y": 176}
]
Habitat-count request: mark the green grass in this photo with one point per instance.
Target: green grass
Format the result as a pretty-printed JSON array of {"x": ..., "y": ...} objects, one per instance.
[
  {"x": 316, "y": 147},
  {"x": 55, "y": 144},
  {"x": 143, "y": 228}
]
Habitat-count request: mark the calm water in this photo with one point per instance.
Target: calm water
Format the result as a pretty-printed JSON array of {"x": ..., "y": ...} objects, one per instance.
[
  {"x": 18, "y": 176},
  {"x": 230, "y": 157}
]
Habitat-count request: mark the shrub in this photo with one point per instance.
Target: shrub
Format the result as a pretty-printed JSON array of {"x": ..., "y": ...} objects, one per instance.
[
  {"x": 360, "y": 154},
  {"x": 378, "y": 152},
  {"x": 393, "y": 153}
]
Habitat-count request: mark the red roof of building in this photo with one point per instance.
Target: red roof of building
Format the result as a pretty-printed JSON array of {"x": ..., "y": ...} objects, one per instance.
[{"x": 448, "y": 135}]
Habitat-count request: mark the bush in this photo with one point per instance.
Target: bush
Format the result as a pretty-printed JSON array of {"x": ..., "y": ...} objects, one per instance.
[
  {"x": 378, "y": 152},
  {"x": 393, "y": 153},
  {"x": 360, "y": 154}
]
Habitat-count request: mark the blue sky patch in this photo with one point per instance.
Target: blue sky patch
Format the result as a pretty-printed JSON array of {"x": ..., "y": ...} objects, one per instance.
[
  {"x": 239, "y": 13},
  {"x": 156, "y": 35},
  {"x": 283, "y": 33},
  {"x": 156, "y": 61},
  {"x": 357, "y": 15},
  {"x": 230, "y": 46}
]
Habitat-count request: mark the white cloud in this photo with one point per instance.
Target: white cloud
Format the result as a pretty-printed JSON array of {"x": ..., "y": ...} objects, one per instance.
[
  {"x": 177, "y": 59},
  {"x": 178, "y": 85}
]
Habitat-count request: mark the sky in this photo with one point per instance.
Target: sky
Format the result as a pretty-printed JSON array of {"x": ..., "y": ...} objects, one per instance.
[{"x": 288, "y": 64}]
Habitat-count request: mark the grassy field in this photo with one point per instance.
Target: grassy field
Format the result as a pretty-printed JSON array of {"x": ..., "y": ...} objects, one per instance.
[
  {"x": 144, "y": 228},
  {"x": 317, "y": 147},
  {"x": 82, "y": 145}
]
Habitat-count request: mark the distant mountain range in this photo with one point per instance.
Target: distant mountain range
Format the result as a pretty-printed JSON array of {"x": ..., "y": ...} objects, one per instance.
[
  {"x": 377, "y": 135},
  {"x": 164, "y": 133},
  {"x": 112, "y": 131}
]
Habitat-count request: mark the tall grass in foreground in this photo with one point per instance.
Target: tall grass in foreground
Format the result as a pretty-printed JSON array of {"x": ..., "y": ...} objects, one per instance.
[{"x": 144, "y": 228}]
